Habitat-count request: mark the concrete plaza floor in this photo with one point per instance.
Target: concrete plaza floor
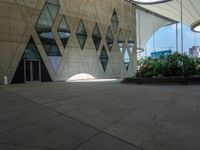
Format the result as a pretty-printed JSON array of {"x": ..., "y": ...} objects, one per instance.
[{"x": 99, "y": 116}]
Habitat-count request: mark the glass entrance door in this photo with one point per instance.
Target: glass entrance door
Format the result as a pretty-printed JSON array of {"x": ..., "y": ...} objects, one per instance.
[{"x": 32, "y": 70}]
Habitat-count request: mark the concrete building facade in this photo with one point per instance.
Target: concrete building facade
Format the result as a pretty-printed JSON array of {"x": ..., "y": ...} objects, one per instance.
[{"x": 51, "y": 40}]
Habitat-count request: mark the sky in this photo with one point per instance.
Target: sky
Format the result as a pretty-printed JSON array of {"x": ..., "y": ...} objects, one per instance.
[{"x": 165, "y": 39}]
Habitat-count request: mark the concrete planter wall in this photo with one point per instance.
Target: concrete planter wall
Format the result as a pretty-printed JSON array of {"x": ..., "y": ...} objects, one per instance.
[{"x": 172, "y": 80}]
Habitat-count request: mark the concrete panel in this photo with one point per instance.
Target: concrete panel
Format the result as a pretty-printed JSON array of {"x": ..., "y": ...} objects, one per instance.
[{"x": 17, "y": 25}]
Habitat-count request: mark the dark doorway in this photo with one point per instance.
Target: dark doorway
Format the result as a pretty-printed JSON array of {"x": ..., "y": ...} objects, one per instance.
[
  {"x": 32, "y": 70},
  {"x": 31, "y": 67}
]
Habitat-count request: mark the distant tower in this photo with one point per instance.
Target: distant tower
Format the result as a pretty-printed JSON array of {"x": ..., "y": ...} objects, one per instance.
[{"x": 194, "y": 51}]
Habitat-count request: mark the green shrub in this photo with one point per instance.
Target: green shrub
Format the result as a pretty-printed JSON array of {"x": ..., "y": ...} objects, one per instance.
[
  {"x": 174, "y": 65},
  {"x": 198, "y": 69}
]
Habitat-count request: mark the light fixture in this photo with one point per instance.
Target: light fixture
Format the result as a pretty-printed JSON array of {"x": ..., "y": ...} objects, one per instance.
[
  {"x": 196, "y": 27},
  {"x": 148, "y": 1}
]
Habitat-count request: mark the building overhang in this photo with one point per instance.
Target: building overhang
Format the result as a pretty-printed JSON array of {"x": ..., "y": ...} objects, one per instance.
[{"x": 172, "y": 10}]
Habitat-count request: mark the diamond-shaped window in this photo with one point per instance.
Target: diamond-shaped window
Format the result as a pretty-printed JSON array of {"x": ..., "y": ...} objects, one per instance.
[
  {"x": 54, "y": 2},
  {"x": 44, "y": 25},
  {"x": 81, "y": 34},
  {"x": 49, "y": 43},
  {"x": 109, "y": 39},
  {"x": 31, "y": 51},
  {"x": 63, "y": 31},
  {"x": 126, "y": 60},
  {"x": 45, "y": 20},
  {"x": 131, "y": 42},
  {"x": 121, "y": 41},
  {"x": 96, "y": 36},
  {"x": 115, "y": 20},
  {"x": 53, "y": 9},
  {"x": 104, "y": 58},
  {"x": 55, "y": 62}
]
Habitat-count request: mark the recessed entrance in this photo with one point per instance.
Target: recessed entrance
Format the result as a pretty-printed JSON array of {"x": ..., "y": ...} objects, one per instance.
[
  {"x": 31, "y": 67},
  {"x": 32, "y": 70}
]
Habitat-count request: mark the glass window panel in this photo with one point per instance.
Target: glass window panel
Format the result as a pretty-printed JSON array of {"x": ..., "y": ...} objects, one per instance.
[
  {"x": 104, "y": 58},
  {"x": 55, "y": 61},
  {"x": 121, "y": 41},
  {"x": 53, "y": 10},
  {"x": 28, "y": 71},
  {"x": 126, "y": 60},
  {"x": 81, "y": 28},
  {"x": 63, "y": 25},
  {"x": 49, "y": 43},
  {"x": 63, "y": 31},
  {"x": 45, "y": 20},
  {"x": 54, "y": 2},
  {"x": 109, "y": 39},
  {"x": 31, "y": 51},
  {"x": 82, "y": 40},
  {"x": 115, "y": 20},
  {"x": 81, "y": 34},
  {"x": 96, "y": 36},
  {"x": 147, "y": 1},
  {"x": 36, "y": 70},
  {"x": 131, "y": 42},
  {"x": 44, "y": 25}
]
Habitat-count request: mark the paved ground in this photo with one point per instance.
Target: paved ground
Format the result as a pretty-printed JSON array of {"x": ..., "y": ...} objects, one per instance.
[{"x": 99, "y": 116}]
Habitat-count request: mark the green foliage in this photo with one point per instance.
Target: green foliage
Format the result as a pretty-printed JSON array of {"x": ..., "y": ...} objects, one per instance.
[
  {"x": 197, "y": 64},
  {"x": 174, "y": 65}
]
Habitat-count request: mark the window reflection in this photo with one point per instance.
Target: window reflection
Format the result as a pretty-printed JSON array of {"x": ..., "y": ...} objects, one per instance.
[
  {"x": 49, "y": 43},
  {"x": 131, "y": 42},
  {"x": 96, "y": 36},
  {"x": 126, "y": 60},
  {"x": 115, "y": 20},
  {"x": 44, "y": 25},
  {"x": 81, "y": 34},
  {"x": 103, "y": 58},
  {"x": 63, "y": 31},
  {"x": 109, "y": 39},
  {"x": 121, "y": 41}
]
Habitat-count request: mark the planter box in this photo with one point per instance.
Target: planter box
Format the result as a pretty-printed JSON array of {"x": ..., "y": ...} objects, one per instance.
[{"x": 172, "y": 80}]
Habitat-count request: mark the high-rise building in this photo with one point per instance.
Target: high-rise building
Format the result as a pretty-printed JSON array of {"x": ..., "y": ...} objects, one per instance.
[{"x": 194, "y": 51}]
